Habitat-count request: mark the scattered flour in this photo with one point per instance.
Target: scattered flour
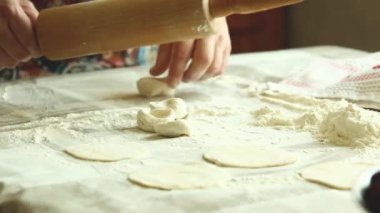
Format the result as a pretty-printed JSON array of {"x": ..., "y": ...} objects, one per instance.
[
  {"x": 336, "y": 122},
  {"x": 270, "y": 117},
  {"x": 31, "y": 95},
  {"x": 212, "y": 111}
]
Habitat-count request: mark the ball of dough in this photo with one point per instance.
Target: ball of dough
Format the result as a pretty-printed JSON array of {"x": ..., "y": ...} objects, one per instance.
[
  {"x": 177, "y": 104},
  {"x": 173, "y": 128},
  {"x": 152, "y": 87},
  {"x": 147, "y": 119}
]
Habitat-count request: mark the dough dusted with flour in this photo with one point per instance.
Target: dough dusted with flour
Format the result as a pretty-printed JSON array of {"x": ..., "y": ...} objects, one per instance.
[
  {"x": 249, "y": 156},
  {"x": 176, "y": 104},
  {"x": 107, "y": 152},
  {"x": 182, "y": 176},
  {"x": 173, "y": 128},
  {"x": 338, "y": 175},
  {"x": 147, "y": 119},
  {"x": 152, "y": 87},
  {"x": 165, "y": 118}
]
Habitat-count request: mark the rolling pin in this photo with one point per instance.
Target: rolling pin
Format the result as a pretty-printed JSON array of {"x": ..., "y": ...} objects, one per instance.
[{"x": 101, "y": 26}]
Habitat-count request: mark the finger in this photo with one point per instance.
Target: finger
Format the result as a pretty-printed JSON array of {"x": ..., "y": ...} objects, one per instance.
[
  {"x": 163, "y": 60},
  {"x": 23, "y": 28},
  {"x": 216, "y": 66},
  {"x": 30, "y": 10},
  {"x": 10, "y": 44},
  {"x": 6, "y": 60},
  {"x": 180, "y": 57},
  {"x": 202, "y": 59},
  {"x": 226, "y": 56}
]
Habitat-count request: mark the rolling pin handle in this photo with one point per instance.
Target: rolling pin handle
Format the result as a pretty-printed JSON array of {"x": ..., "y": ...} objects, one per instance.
[{"x": 222, "y": 8}]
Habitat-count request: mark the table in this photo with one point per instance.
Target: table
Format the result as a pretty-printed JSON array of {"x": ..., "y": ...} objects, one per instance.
[{"x": 39, "y": 118}]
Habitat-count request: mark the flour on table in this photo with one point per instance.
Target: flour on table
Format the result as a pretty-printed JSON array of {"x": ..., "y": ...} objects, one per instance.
[
  {"x": 351, "y": 125},
  {"x": 267, "y": 116},
  {"x": 30, "y": 95},
  {"x": 249, "y": 156},
  {"x": 212, "y": 111},
  {"x": 335, "y": 122},
  {"x": 182, "y": 176},
  {"x": 107, "y": 152},
  {"x": 338, "y": 175}
]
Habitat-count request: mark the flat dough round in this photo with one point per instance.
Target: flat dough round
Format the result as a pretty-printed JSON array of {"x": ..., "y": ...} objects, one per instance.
[
  {"x": 183, "y": 176},
  {"x": 249, "y": 156},
  {"x": 107, "y": 152},
  {"x": 338, "y": 175}
]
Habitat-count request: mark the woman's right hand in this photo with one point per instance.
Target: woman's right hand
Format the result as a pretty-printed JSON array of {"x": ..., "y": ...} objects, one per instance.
[{"x": 18, "y": 42}]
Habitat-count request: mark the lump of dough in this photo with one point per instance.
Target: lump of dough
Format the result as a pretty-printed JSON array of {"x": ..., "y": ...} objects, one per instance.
[
  {"x": 177, "y": 104},
  {"x": 107, "y": 152},
  {"x": 182, "y": 176},
  {"x": 249, "y": 156},
  {"x": 152, "y": 87},
  {"x": 147, "y": 119},
  {"x": 338, "y": 175},
  {"x": 173, "y": 128}
]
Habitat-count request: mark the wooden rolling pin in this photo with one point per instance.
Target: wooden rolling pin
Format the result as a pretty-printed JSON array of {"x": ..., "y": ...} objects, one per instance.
[{"x": 101, "y": 26}]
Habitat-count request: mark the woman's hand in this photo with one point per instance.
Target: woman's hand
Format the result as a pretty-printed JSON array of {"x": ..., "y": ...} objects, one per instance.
[
  {"x": 18, "y": 42},
  {"x": 208, "y": 58}
]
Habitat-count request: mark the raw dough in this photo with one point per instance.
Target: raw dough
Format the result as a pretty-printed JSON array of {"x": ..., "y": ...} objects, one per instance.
[
  {"x": 176, "y": 104},
  {"x": 249, "y": 156},
  {"x": 173, "y": 128},
  {"x": 338, "y": 175},
  {"x": 107, "y": 152},
  {"x": 183, "y": 176},
  {"x": 146, "y": 120},
  {"x": 152, "y": 87}
]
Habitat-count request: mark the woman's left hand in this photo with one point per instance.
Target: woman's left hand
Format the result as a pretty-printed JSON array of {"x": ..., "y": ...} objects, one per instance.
[{"x": 208, "y": 57}]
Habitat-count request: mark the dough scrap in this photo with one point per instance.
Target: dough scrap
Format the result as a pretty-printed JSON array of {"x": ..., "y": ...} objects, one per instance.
[
  {"x": 173, "y": 128},
  {"x": 152, "y": 87},
  {"x": 107, "y": 152},
  {"x": 249, "y": 156},
  {"x": 147, "y": 119},
  {"x": 182, "y": 176},
  {"x": 337, "y": 175},
  {"x": 177, "y": 104}
]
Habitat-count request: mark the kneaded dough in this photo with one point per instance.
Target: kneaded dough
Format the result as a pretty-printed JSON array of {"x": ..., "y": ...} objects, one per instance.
[
  {"x": 182, "y": 176},
  {"x": 338, "y": 175},
  {"x": 173, "y": 128},
  {"x": 152, "y": 87},
  {"x": 147, "y": 119},
  {"x": 177, "y": 104},
  {"x": 107, "y": 152},
  {"x": 249, "y": 156}
]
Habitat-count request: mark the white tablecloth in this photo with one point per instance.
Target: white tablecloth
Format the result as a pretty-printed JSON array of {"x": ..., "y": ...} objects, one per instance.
[{"x": 40, "y": 118}]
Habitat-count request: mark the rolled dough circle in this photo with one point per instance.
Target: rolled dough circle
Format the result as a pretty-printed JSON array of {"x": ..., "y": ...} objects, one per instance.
[
  {"x": 107, "y": 152},
  {"x": 249, "y": 156},
  {"x": 183, "y": 176},
  {"x": 338, "y": 175}
]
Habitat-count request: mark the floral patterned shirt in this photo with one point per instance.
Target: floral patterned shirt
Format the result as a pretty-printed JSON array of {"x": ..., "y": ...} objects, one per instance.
[{"x": 44, "y": 67}]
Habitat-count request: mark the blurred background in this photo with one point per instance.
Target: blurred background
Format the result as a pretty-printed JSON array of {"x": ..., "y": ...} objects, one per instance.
[{"x": 348, "y": 23}]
